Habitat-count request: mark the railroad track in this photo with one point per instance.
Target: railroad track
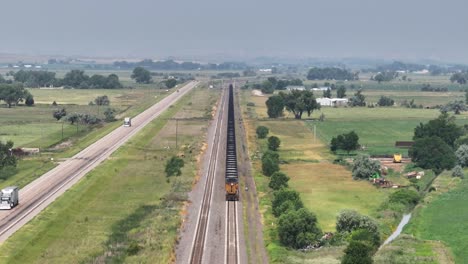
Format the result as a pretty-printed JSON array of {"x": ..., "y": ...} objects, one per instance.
[
  {"x": 232, "y": 237},
  {"x": 198, "y": 244}
]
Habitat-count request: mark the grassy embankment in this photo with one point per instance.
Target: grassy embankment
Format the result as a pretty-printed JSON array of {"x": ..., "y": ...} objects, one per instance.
[
  {"x": 325, "y": 188},
  {"x": 125, "y": 210},
  {"x": 433, "y": 234},
  {"x": 36, "y": 127}
]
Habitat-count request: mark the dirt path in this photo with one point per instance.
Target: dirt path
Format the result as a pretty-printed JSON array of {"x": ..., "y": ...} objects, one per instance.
[{"x": 252, "y": 219}]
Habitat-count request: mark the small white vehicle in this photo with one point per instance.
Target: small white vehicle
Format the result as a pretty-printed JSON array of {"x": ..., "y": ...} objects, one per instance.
[
  {"x": 9, "y": 198},
  {"x": 127, "y": 122}
]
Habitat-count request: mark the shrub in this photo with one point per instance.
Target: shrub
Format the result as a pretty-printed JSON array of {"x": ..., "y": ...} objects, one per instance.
[
  {"x": 358, "y": 252},
  {"x": 173, "y": 166},
  {"x": 290, "y": 197},
  {"x": 458, "y": 172},
  {"x": 364, "y": 167},
  {"x": 462, "y": 155},
  {"x": 298, "y": 229},
  {"x": 269, "y": 166},
  {"x": 278, "y": 180},
  {"x": 407, "y": 197},
  {"x": 262, "y": 131},
  {"x": 350, "y": 220},
  {"x": 273, "y": 143}
]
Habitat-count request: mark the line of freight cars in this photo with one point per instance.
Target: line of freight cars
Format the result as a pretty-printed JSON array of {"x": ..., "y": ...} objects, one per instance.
[{"x": 232, "y": 178}]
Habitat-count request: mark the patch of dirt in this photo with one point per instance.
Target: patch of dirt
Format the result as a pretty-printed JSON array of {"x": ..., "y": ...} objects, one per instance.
[{"x": 61, "y": 146}]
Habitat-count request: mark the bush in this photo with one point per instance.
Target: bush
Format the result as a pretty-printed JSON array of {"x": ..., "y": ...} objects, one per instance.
[
  {"x": 269, "y": 166},
  {"x": 298, "y": 229},
  {"x": 386, "y": 101},
  {"x": 407, "y": 197},
  {"x": 173, "y": 166},
  {"x": 29, "y": 100},
  {"x": 358, "y": 252},
  {"x": 350, "y": 220},
  {"x": 364, "y": 167},
  {"x": 262, "y": 131},
  {"x": 273, "y": 143},
  {"x": 250, "y": 104},
  {"x": 285, "y": 200},
  {"x": 363, "y": 235},
  {"x": 278, "y": 180},
  {"x": 462, "y": 155},
  {"x": 458, "y": 172}
]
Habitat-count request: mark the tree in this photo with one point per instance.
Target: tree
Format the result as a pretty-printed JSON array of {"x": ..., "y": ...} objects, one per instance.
[
  {"x": 141, "y": 75},
  {"x": 346, "y": 142},
  {"x": 341, "y": 92},
  {"x": 386, "y": 101},
  {"x": 364, "y": 235},
  {"x": 29, "y": 100},
  {"x": 459, "y": 77},
  {"x": 327, "y": 93},
  {"x": 76, "y": 78},
  {"x": 170, "y": 83},
  {"x": 278, "y": 180},
  {"x": 358, "y": 252},
  {"x": 285, "y": 200},
  {"x": 109, "y": 114},
  {"x": 59, "y": 113},
  {"x": 74, "y": 118},
  {"x": 173, "y": 166},
  {"x": 298, "y": 229},
  {"x": 350, "y": 220},
  {"x": 102, "y": 100},
  {"x": 457, "y": 107},
  {"x": 299, "y": 101},
  {"x": 364, "y": 167},
  {"x": 12, "y": 94},
  {"x": 269, "y": 166},
  {"x": 358, "y": 99},
  {"x": 262, "y": 131},
  {"x": 112, "y": 82},
  {"x": 6, "y": 157},
  {"x": 462, "y": 155},
  {"x": 273, "y": 143},
  {"x": 385, "y": 76},
  {"x": 443, "y": 127},
  {"x": 458, "y": 172},
  {"x": 432, "y": 153},
  {"x": 275, "y": 106}
]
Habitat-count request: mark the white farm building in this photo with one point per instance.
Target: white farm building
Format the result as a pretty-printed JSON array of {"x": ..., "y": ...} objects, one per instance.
[{"x": 332, "y": 101}]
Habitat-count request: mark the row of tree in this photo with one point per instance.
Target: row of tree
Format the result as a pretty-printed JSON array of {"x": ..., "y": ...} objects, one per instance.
[
  {"x": 296, "y": 102},
  {"x": 88, "y": 119},
  {"x": 73, "y": 79},
  {"x": 142, "y": 75},
  {"x": 7, "y": 160},
  {"x": 173, "y": 65},
  {"x": 14, "y": 93},
  {"x": 297, "y": 226},
  {"x": 331, "y": 73}
]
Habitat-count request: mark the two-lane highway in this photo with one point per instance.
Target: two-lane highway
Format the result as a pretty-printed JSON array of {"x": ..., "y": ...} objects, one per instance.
[{"x": 40, "y": 193}]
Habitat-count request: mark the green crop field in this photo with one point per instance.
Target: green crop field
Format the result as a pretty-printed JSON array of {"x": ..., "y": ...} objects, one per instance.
[
  {"x": 443, "y": 218},
  {"x": 125, "y": 210}
]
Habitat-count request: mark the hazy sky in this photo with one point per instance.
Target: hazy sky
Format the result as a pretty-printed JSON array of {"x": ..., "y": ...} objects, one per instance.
[{"x": 393, "y": 29}]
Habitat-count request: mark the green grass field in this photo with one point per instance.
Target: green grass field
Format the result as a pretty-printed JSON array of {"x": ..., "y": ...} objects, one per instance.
[
  {"x": 325, "y": 188},
  {"x": 125, "y": 203},
  {"x": 443, "y": 218}
]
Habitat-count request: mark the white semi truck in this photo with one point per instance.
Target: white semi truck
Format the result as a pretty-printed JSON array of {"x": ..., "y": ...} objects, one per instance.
[
  {"x": 127, "y": 122},
  {"x": 9, "y": 198}
]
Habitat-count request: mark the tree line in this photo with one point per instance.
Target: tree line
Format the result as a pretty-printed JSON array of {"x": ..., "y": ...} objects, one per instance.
[
  {"x": 331, "y": 73},
  {"x": 173, "y": 65},
  {"x": 296, "y": 102},
  {"x": 73, "y": 79}
]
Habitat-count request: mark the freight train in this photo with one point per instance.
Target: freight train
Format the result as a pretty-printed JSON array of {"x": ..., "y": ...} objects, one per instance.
[{"x": 232, "y": 177}]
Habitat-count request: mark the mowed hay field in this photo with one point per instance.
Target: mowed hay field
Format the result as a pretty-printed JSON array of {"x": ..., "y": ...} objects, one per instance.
[
  {"x": 325, "y": 188},
  {"x": 124, "y": 211}
]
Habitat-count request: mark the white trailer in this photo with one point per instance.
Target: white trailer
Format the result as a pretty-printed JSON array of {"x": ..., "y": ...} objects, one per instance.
[
  {"x": 9, "y": 198},
  {"x": 127, "y": 122}
]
